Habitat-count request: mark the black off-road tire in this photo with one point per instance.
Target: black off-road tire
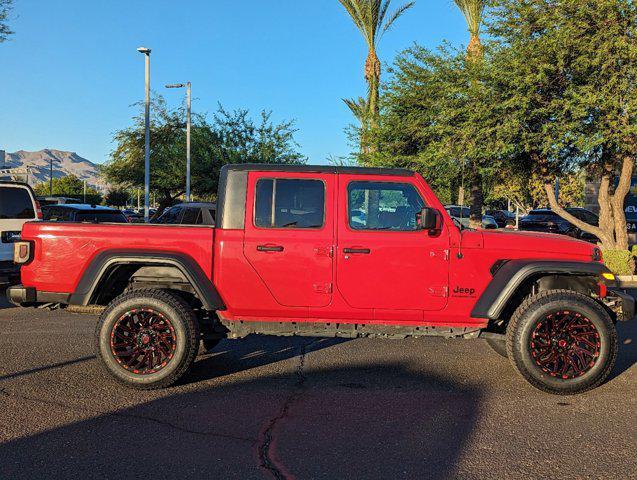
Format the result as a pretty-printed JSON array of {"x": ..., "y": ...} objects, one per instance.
[
  {"x": 184, "y": 325},
  {"x": 526, "y": 320},
  {"x": 498, "y": 346}
]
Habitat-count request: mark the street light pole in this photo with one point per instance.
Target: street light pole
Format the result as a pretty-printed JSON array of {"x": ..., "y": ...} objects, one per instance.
[
  {"x": 146, "y": 52},
  {"x": 188, "y": 143},
  {"x": 188, "y": 123}
]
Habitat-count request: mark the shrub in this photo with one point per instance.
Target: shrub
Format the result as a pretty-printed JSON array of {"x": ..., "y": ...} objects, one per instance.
[{"x": 620, "y": 262}]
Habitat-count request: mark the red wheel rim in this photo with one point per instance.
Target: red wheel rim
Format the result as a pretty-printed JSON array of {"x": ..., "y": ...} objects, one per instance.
[
  {"x": 565, "y": 344},
  {"x": 143, "y": 341}
]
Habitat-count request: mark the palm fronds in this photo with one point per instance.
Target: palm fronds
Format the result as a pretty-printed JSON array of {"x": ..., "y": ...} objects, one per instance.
[
  {"x": 473, "y": 11},
  {"x": 370, "y": 17}
]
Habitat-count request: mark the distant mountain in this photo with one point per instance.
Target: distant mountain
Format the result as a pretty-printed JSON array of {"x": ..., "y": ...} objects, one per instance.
[{"x": 64, "y": 163}]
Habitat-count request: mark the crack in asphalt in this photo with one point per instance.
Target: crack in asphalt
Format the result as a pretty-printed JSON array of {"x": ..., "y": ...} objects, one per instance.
[
  {"x": 267, "y": 436},
  {"x": 4, "y": 392}
]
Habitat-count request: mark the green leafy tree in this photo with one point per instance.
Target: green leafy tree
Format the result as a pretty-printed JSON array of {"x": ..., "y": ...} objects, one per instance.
[
  {"x": 569, "y": 69},
  {"x": 117, "y": 197},
  {"x": 5, "y": 10},
  {"x": 68, "y": 186},
  {"x": 229, "y": 137},
  {"x": 440, "y": 108},
  {"x": 372, "y": 19}
]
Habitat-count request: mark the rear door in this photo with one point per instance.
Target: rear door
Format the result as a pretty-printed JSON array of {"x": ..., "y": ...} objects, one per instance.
[
  {"x": 17, "y": 206},
  {"x": 384, "y": 261},
  {"x": 289, "y": 235}
]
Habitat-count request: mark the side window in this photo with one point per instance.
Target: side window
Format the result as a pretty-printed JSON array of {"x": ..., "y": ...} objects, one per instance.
[
  {"x": 190, "y": 216},
  {"x": 289, "y": 203},
  {"x": 170, "y": 216},
  {"x": 383, "y": 206}
]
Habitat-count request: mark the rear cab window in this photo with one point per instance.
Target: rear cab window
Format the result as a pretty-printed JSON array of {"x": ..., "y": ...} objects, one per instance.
[
  {"x": 16, "y": 203},
  {"x": 289, "y": 203}
]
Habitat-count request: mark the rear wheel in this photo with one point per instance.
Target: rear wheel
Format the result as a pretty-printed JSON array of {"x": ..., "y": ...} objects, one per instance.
[
  {"x": 147, "y": 339},
  {"x": 562, "y": 342}
]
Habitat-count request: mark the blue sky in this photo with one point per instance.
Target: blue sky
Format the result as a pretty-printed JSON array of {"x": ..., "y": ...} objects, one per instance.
[{"x": 70, "y": 73}]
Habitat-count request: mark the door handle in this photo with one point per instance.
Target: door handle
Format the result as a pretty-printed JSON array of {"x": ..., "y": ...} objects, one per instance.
[
  {"x": 269, "y": 248},
  {"x": 359, "y": 251}
]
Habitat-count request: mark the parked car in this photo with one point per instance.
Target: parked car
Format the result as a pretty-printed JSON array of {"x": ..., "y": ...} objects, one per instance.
[
  {"x": 133, "y": 216},
  {"x": 287, "y": 258},
  {"x": 503, "y": 218},
  {"x": 545, "y": 220},
  {"x": 193, "y": 213},
  {"x": 17, "y": 206},
  {"x": 82, "y": 213},
  {"x": 462, "y": 215}
]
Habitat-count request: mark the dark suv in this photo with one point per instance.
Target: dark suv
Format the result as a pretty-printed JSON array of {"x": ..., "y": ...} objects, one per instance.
[
  {"x": 545, "y": 220},
  {"x": 82, "y": 213}
]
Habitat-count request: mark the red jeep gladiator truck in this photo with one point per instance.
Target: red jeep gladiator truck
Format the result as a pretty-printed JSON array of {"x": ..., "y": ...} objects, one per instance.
[{"x": 327, "y": 251}]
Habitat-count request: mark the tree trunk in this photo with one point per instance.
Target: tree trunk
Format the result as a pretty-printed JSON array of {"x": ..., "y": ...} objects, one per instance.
[
  {"x": 475, "y": 51},
  {"x": 606, "y": 236},
  {"x": 477, "y": 199},
  {"x": 617, "y": 202},
  {"x": 372, "y": 76}
]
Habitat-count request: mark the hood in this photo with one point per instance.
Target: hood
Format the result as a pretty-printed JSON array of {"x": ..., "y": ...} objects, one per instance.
[{"x": 538, "y": 244}]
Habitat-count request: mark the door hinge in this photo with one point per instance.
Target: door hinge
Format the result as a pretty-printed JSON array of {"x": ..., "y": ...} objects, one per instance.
[
  {"x": 322, "y": 288},
  {"x": 324, "y": 251},
  {"x": 439, "y": 291}
]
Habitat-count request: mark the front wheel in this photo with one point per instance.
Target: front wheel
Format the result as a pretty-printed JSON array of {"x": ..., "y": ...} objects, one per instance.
[
  {"x": 147, "y": 339},
  {"x": 562, "y": 342}
]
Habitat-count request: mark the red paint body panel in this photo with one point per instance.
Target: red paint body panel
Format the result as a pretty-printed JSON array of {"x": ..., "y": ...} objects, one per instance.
[
  {"x": 64, "y": 250},
  {"x": 408, "y": 278}
]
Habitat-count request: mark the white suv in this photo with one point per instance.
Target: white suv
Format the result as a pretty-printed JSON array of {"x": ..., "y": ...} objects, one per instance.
[{"x": 17, "y": 206}]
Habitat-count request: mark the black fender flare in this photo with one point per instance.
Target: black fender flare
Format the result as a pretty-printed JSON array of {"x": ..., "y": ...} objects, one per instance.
[
  {"x": 102, "y": 263},
  {"x": 512, "y": 274}
]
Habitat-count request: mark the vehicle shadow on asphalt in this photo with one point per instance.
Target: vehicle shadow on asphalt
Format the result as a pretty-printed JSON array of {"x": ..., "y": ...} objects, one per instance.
[
  {"x": 379, "y": 421},
  {"x": 3, "y": 301},
  {"x": 627, "y": 355},
  {"x": 232, "y": 356}
]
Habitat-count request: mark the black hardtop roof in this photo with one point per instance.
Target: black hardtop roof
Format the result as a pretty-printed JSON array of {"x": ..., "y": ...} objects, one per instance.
[{"x": 267, "y": 167}]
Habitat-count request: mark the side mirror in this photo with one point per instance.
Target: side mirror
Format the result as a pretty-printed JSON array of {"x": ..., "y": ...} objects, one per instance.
[{"x": 429, "y": 219}]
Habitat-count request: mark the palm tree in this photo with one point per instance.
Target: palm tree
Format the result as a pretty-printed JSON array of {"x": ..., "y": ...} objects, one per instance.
[
  {"x": 372, "y": 20},
  {"x": 360, "y": 109},
  {"x": 473, "y": 11}
]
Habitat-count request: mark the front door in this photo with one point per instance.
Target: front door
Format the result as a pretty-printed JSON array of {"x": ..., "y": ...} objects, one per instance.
[
  {"x": 289, "y": 235},
  {"x": 384, "y": 261}
]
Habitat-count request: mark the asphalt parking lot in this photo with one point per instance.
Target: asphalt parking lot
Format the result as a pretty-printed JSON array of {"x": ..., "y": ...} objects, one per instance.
[{"x": 266, "y": 407}]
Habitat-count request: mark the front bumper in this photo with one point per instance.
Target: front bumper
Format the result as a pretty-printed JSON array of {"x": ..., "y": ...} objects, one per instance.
[{"x": 29, "y": 296}]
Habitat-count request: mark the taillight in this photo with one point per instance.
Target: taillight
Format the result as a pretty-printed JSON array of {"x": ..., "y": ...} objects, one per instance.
[
  {"x": 21, "y": 252},
  {"x": 38, "y": 210}
]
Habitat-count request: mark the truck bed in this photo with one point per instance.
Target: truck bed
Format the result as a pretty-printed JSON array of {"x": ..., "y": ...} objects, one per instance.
[{"x": 64, "y": 250}]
